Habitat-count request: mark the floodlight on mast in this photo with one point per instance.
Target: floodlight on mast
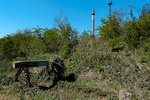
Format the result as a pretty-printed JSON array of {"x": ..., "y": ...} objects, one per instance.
[{"x": 109, "y": 3}]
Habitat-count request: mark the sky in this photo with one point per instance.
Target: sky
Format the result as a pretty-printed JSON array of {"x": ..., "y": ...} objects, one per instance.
[{"x": 21, "y": 14}]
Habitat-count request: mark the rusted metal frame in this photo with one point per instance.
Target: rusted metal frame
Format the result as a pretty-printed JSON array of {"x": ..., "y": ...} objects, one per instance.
[
  {"x": 24, "y": 65},
  {"x": 26, "y": 70}
]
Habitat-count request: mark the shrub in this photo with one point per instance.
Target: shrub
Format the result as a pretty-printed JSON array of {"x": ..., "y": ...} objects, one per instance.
[
  {"x": 137, "y": 32},
  {"x": 111, "y": 28},
  {"x": 116, "y": 43}
]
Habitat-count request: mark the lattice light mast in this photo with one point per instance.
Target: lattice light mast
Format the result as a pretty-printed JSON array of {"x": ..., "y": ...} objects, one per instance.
[{"x": 109, "y": 3}]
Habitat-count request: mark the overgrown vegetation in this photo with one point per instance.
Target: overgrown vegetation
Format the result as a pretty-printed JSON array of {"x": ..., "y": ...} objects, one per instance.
[
  {"x": 114, "y": 66},
  {"x": 40, "y": 40}
]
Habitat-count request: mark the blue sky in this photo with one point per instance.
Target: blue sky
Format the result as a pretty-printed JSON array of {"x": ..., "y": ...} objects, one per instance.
[{"x": 21, "y": 14}]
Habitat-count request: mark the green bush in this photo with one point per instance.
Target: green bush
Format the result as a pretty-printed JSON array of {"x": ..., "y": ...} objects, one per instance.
[
  {"x": 20, "y": 44},
  {"x": 137, "y": 32},
  {"x": 62, "y": 38},
  {"x": 116, "y": 43},
  {"x": 111, "y": 28}
]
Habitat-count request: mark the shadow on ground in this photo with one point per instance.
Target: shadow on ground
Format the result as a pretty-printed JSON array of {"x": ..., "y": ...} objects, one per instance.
[
  {"x": 57, "y": 68},
  {"x": 69, "y": 78}
]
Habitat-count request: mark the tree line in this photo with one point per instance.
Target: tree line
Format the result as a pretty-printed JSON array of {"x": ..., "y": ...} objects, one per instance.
[
  {"x": 135, "y": 32},
  {"x": 40, "y": 40}
]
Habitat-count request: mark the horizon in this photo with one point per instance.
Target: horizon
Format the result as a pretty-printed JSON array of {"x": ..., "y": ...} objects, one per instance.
[{"x": 18, "y": 15}]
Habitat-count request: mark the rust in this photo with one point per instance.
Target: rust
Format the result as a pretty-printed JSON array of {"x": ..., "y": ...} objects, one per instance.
[{"x": 26, "y": 70}]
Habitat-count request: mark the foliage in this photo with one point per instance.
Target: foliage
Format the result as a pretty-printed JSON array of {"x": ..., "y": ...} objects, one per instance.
[
  {"x": 63, "y": 38},
  {"x": 49, "y": 37},
  {"x": 69, "y": 36},
  {"x": 116, "y": 43},
  {"x": 95, "y": 65},
  {"x": 137, "y": 31},
  {"x": 55, "y": 70},
  {"x": 52, "y": 39},
  {"x": 126, "y": 71},
  {"x": 145, "y": 11},
  {"x": 111, "y": 27},
  {"x": 134, "y": 32},
  {"x": 20, "y": 44}
]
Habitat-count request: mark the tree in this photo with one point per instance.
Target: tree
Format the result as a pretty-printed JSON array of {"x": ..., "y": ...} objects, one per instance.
[
  {"x": 69, "y": 36},
  {"x": 111, "y": 27},
  {"x": 20, "y": 44},
  {"x": 64, "y": 28},
  {"x": 137, "y": 31},
  {"x": 145, "y": 11},
  {"x": 52, "y": 39}
]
